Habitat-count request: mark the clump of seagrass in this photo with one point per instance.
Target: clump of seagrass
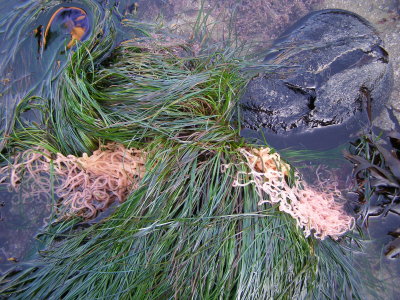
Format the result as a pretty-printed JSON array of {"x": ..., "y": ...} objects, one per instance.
[
  {"x": 85, "y": 185},
  {"x": 318, "y": 210}
]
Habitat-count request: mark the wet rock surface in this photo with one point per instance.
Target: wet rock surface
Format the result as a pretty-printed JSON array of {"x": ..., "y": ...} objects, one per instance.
[{"x": 337, "y": 74}]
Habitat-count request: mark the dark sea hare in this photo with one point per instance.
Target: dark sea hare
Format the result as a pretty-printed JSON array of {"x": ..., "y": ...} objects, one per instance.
[{"x": 336, "y": 75}]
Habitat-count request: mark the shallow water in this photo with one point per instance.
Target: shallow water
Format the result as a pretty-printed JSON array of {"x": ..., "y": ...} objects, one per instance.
[
  {"x": 384, "y": 15},
  {"x": 29, "y": 67},
  {"x": 20, "y": 220},
  {"x": 35, "y": 44}
]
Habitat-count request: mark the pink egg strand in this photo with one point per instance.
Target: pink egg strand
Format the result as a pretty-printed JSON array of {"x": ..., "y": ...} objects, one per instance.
[
  {"x": 317, "y": 210},
  {"x": 85, "y": 185},
  {"x": 89, "y": 184}
]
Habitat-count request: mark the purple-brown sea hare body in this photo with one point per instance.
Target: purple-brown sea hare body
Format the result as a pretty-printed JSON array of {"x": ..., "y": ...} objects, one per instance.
[{"x": 337, "y": 77}]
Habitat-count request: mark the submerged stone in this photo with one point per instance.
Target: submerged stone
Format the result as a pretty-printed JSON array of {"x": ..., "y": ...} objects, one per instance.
[{"x": 336, "y": 74}]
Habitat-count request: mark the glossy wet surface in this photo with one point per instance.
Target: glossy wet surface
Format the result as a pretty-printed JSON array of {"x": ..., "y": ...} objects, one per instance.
[
  {"x": 71, "y": 21},
  {"x": 35, "y": 45},
  {"x": 20, "y": 220},
  {"x": 36, "y": 41}
]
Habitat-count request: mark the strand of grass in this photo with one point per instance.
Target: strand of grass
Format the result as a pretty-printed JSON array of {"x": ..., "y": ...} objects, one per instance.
[
  {"x": 331, "y": 156},
  {"x": 14, "y": 25},
  {"x": 172, "y": 237},
  {"x": 138, "y": 92}
]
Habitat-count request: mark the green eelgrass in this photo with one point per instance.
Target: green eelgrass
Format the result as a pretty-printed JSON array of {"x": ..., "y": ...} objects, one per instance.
[
  {"x": 186, "y": 233},
  {"x": 36, "y": 68}
]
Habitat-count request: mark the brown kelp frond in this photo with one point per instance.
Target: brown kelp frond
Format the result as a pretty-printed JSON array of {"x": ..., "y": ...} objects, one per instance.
[
  {"x": 87, "y": 184},
  {"x": 376, "y": 170},
  {"x": 373, "y": 162},
  {"x": 377, "y": 173},
  {"x": 315, "y": 209}
]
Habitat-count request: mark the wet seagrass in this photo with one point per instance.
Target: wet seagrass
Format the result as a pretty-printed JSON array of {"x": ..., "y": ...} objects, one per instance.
[{"x": 186, "y": 231}]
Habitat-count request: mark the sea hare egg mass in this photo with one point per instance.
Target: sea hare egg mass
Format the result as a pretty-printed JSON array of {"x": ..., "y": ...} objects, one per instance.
[{"x": 68, "y": 20}]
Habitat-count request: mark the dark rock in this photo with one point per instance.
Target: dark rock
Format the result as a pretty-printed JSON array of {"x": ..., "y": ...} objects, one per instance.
[{"x": 336, "y": 74}]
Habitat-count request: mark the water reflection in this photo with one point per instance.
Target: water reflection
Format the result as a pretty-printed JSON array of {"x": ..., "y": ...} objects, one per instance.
[
  {"x": 21, "y": 218},
  {"x": 36, "y": 39},
  {"x": 67, "y": 20}
]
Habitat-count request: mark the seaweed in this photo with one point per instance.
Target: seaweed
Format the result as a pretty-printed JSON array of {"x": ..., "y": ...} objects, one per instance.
[
  {"x": 187, "y": 231},
  {"x": 377, "y": 171}
]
